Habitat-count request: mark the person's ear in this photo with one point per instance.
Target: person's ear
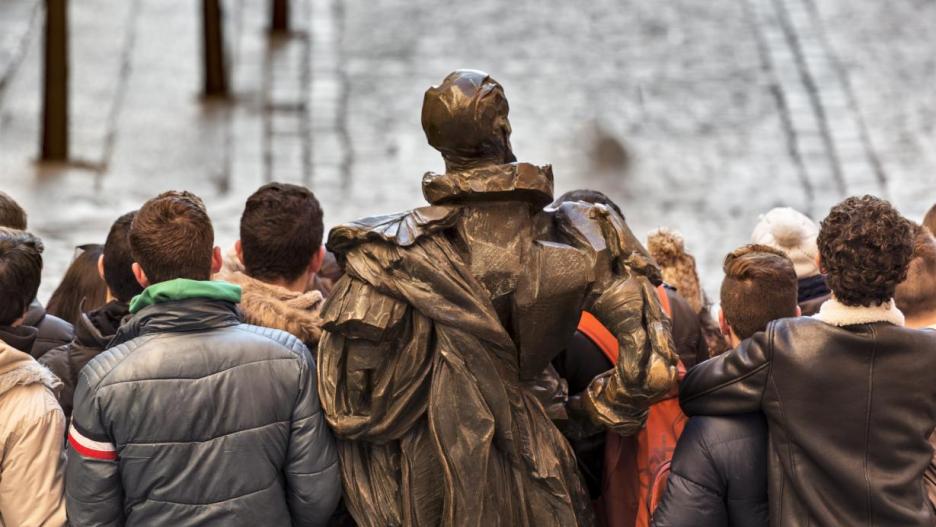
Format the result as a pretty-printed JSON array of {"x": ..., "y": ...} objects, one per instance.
[
  {"x": 799, "y": 311},
  {"x": 819, "y": 264},
  {"x": 217, "y": 262},
  {"x": 315, "y": 264},
  {"x": 239, "y": 250},
  {"x": 140, "y": 275},
  {"x": 723, "y": 324},
  {"x": 100, "y": 266}
]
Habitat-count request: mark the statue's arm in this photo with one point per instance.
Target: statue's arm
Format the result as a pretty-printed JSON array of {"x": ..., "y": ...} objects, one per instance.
[
  {"x": 624, "y": 301},
  {"x": 373, "y": 363}
]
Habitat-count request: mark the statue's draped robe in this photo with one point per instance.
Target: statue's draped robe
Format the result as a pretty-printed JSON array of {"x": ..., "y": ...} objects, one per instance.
[{"x": 424, "y": 386}]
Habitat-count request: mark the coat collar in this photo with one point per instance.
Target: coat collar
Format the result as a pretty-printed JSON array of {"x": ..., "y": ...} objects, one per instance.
[
  {"x": 185, "y": 289},
  {"x": 276, "y": 307},
  {"x": 178, "y": 316},
  {"x": 19, "y": 369},
  {"x": 838, "y": 314},
  {"x": 513, "y": 181}
]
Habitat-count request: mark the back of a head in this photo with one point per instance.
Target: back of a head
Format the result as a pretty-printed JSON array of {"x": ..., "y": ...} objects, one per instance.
[
  {"x": 465, "y": 118},
  {"x": 760, "y": 286},
  {"x": 118, "y": 260},
  {"x": 929, "y": 221},
  {"x": 792, "y": 232},
  {"x": 81, "y": 288},
  {"x": 20, "y": 272},
  {"x": 916, "y": 296},
  {"x": 280, "y": 231},
  {"x": 865, "y": 246},
  {"x": 172, "y": 237},
  {"x": 11, "y": 214}
]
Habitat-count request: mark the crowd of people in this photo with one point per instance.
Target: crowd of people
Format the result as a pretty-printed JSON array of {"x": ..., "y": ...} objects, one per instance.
[
  {"x": 169, "y": 382},
  {"x": 238, "y": 331}
]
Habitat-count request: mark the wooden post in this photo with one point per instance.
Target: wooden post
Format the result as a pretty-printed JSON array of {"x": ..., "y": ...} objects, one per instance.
[
  {"x": 55, "y": 83},
  {"x": 215, "y": 67},
  {"x": 279, "y": 16}
]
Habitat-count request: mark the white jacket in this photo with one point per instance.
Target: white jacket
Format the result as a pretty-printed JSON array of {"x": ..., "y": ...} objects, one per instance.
[{"x": 32, "y": 431}]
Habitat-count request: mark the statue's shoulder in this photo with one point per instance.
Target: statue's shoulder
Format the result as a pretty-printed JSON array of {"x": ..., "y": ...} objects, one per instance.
[{"x": 401, "y": 229}]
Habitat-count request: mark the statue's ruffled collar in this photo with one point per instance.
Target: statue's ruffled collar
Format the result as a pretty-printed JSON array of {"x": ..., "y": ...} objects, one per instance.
[{"x": 514, "y": 181}]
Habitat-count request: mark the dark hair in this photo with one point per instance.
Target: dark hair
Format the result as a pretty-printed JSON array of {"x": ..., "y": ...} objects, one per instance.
[
  {"x": 917, "y": 294},
  {"x": 760, "y": 286},
  {"x": 11, "y": 214},
  {"x": 20, "y": 272},
  {"x": 929, "y": 221},
  {"x": 172, "y": 237},
  {"x": 81, "y": 288},
  {"x": 865, "y": 246},
  {"x": 118, "y": 260},
  {"x": 280, "y": 230},
  {"x": 589, "y": 196}
]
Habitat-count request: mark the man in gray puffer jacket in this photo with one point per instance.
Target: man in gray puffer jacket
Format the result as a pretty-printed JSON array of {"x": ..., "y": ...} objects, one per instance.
[{"x": 194, "y": 418}]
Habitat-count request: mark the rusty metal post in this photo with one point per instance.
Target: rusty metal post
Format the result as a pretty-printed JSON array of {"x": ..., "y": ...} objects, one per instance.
[
  {"x": 215, "y": 66},
  {"x": 55, "y": 82},
  {"x": 279, "y": 16}
]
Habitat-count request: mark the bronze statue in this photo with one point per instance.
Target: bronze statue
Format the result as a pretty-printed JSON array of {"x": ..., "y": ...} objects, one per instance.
[{"x": 448, "y": 314}]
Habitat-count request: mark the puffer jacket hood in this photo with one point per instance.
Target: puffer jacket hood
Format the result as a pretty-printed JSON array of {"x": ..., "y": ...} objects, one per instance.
[
  {"x": 276, "y": 307},
  {"x": 51, "y": 331}
]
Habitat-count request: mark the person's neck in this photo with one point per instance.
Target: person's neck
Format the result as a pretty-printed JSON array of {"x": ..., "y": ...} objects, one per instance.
[
  {"x": 299, "y": 285},
  {"x": 923, "y": 320},
  {"x": 734, "y": 340}
]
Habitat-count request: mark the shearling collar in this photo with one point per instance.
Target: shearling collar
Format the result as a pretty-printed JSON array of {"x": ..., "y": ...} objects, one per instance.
[
  {"x": 838, "y": 314},
  {"x": 514, "y": 181},
  {"x": 276, "y": 307},
  {"x": 19, "y": 369}
]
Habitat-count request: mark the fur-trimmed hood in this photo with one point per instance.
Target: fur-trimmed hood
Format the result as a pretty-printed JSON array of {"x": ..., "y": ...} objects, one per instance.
[
  {"x": 19, "y": 369},
  {"x": 838, "y": 314},
  {"x": 276, "y": 307}
]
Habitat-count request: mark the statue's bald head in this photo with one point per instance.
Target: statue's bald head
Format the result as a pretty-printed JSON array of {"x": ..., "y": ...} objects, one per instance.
[{"x": 465, "y": 118}]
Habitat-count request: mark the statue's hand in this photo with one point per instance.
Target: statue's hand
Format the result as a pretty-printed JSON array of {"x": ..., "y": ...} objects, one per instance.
[{"x": 646, "y": 367}]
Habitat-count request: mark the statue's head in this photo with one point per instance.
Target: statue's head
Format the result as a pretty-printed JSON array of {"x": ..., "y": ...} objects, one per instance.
[{"x": 465, "y": 118}]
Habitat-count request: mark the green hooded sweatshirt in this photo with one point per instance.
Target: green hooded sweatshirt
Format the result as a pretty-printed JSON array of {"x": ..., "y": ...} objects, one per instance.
[{"x": 184, "y": 289}]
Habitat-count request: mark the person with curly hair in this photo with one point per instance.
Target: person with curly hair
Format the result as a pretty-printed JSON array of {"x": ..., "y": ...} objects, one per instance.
[{"x": 848, "y": 394}]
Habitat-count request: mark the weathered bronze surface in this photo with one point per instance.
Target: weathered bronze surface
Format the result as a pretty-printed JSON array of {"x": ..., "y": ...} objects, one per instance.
[{"x": 434, "y": 366}]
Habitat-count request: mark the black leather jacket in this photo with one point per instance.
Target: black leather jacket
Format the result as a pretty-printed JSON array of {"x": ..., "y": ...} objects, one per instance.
[
  {"x": 849, "y": 411},
  {"x": 208, "y": 421},
  {"x": 718, "y": 476}
]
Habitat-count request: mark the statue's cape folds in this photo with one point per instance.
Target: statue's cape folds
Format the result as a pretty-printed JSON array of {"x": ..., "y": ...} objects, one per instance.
[
  {"x": 422, "y": 383},
  {"x": 420, "y": 380}
]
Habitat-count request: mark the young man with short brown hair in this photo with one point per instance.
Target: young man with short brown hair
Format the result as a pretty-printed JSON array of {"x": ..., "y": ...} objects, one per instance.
[
  {"x": 719, "y": 471},
  {"x": 280, "y": 249},
  {"x": 192, "y": 417}
]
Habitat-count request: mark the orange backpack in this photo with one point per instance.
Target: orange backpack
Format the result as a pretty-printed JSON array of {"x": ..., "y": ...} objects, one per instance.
[{"x": 636, "y": 468}]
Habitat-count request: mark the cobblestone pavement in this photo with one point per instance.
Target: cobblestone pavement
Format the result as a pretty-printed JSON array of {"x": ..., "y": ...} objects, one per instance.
[{"x": 697, "y": 116}]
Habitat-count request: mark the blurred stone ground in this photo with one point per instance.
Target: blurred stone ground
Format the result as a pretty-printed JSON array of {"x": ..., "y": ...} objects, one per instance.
[{"x": 696, "y": 116}]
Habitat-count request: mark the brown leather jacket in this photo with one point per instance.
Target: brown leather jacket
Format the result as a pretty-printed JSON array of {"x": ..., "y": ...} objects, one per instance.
[{"x": 850, "y": 402}]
